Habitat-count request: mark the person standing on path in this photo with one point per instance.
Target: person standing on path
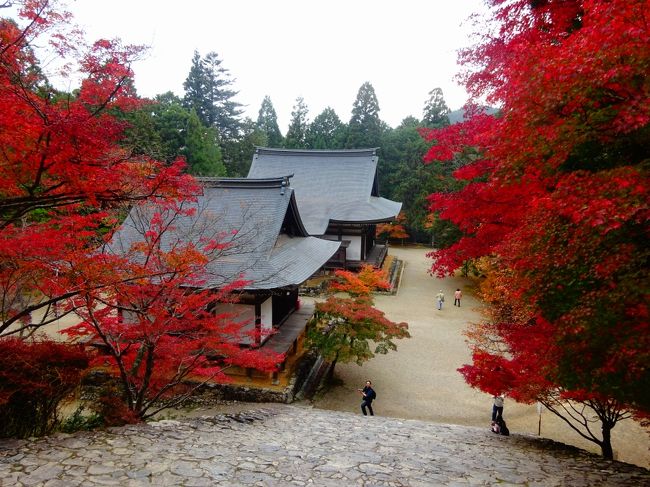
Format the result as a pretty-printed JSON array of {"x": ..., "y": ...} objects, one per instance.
[
  {"x": 497, "y": 408},
  {"x": 457, "y": 295},
  {"x": 368, "y": 394},
  {"x": 440, "y": 298}
]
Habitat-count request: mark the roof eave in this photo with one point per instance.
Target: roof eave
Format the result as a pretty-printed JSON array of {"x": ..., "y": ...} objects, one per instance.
[{"x": 365, "y": 222}]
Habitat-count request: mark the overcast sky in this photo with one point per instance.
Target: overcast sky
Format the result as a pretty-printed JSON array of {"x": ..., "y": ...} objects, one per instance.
[{"x": 320, "y": 50}]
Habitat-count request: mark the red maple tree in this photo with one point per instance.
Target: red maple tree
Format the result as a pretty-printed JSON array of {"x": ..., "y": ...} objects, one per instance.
[
  {"x": 147, "y": 310},
  {"x": 64, "y": 176},
  {"x": 559, "y": 201},
  {"x": 66, "y": 184}
]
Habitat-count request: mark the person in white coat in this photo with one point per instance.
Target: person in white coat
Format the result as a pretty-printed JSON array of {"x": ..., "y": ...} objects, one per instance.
[{"x": 440, "y": 298}]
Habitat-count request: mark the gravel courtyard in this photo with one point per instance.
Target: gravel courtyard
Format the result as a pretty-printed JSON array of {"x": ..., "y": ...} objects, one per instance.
[{"x": 420, "y": 381}]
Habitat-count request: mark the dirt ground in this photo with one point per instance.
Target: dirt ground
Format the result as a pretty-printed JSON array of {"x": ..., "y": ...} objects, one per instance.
[{"x": 420, "y": 380}]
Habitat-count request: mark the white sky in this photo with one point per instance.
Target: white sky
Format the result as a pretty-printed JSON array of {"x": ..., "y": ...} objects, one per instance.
[{"x": 320, "y": 50}]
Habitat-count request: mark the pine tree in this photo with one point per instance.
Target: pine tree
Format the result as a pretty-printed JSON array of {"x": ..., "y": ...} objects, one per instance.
[
  {"x": 326, "y": 131},
  {"x": 403, "y": 177},
  {"x": 166, "y": 130},
  {"x": 297, "y": 133},
  {"x": 267, "y": 122},
  {"x": 201, "y": 149},
  {"x": 238, "y": 154},
  {"x": 436, "y": 112},
  {"x": 170, "y": 119},
  {"x": 365, "y": 127},
  {"x": 208, "y": 90}
]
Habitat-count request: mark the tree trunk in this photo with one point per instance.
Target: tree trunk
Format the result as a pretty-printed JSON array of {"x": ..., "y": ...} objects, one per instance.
[
  {"x": 606, "y": 445},
  {"x": 330, "y": 372}
]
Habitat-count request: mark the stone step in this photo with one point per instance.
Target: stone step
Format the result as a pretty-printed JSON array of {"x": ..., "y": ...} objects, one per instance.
[{"x": 296, "y": 445}]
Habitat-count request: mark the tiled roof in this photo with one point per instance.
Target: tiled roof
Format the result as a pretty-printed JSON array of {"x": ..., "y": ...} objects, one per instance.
[
  {"x": 336, "y": 185},
  {"x": 248, "y": 215}
]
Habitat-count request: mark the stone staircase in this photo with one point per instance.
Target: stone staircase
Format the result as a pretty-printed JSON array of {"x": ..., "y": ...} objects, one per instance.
[{"x": 283, "y": 445}]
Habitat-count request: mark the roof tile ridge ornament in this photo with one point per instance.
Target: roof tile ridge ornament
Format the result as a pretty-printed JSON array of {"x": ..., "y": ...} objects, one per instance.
[
  {"x": 217, "y": 182},
  {"x": 371, "y": 151},
  {"x": 285, "y": 184}
]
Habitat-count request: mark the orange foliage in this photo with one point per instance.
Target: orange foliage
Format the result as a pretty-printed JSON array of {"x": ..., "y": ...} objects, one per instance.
[
  {"x": 393, "y": 229},
  {"x": 368, "y": 279}
]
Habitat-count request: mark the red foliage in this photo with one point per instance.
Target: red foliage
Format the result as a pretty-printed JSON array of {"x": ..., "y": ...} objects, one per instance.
[
  {"x": 549, "y": 109},
  {"x": 370, "y": 323},
  {"x": 64, "y": 186},
  {"x": 559, "y": 196},
  {"x": 489, "y": 373},
  {"x": 344, "y": 328},
  {"x": 39, "y": 368},
  {"x": 34, "y": 378},
  {"x": 147, "y": 310},
  {"x": 63, "y": 171},
  {"x": 392, "y": 230},
  {"x": 113, "y": 410}
]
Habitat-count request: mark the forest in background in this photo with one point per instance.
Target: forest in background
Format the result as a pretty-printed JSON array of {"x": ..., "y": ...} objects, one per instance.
[{"x": 207, "y": 127}]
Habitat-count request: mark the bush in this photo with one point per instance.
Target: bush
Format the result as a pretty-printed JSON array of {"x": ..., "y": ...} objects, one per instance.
[
  {"x": 112, "y": 408},
  {"x": 35, "y": 376},
  {"x": 81, "y": 422}
]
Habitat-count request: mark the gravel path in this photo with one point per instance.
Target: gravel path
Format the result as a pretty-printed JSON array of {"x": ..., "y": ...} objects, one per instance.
[{"x": 420, "y": 380}]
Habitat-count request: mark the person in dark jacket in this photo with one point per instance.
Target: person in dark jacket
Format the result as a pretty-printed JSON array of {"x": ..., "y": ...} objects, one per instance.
[
  {"x": 497, "y": 407},
  {"x": 368, "y": 394}
]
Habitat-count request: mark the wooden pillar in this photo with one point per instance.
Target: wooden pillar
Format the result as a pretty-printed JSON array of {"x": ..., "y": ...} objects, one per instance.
[{"x": 258, "y": 322}]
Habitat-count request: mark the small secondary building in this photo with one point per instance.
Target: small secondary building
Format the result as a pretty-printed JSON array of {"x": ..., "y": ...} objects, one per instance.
[
  {"x": 267, "y": 246},
  {"x": 338, "y": 197}
]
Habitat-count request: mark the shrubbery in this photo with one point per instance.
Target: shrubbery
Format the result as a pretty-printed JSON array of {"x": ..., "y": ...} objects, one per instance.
[{"x": 35, "y": 376}]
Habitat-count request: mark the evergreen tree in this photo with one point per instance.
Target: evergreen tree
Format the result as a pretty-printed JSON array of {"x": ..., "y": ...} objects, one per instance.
[
  {"x": 165, "y": 130},
  {"x": 365, "y": 127},
  {"x": 201, "y": 149},
  {"x": 267, "y": 123},
  {"x": 436, "y": 112},
  {"x": 297, "y": 133},
  {"x": 196, "y": 87},
  {"x": 141, "y": 136},
  {"x": 208, "y": 90},
  {"x": 238, "y": 154},
  {"x": 170, "y": 119},
  {"x": 403, "y": 177},
  {"x": 326, "y": 131}
]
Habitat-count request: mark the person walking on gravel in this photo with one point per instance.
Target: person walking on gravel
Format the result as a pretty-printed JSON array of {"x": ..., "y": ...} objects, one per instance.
[
  {"x": 440, "y": 298},
  {"x": 457, "y": 295},
  {"x": 497, "y": 407},
  {"x": 369, "y": 395}
]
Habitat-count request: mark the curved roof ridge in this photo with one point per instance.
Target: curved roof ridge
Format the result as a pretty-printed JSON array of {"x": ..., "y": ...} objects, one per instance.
[{"x": 318, "y": 152}]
